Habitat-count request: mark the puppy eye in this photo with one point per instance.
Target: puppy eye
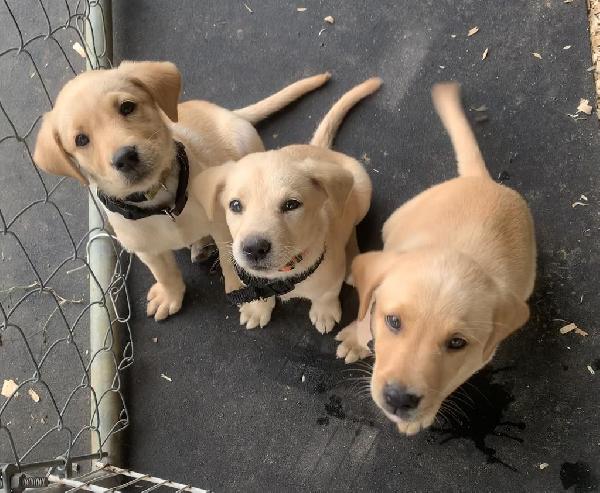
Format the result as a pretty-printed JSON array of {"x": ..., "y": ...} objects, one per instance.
[
  {"x": 235, "y": 206},
  {"x": 126, "y": 108},
  {"x": 290, "y": 205},
  {"x": 81, "y": 140},
  {"x": 393, "y": 322},
  {"x": 456, "y": 343}
]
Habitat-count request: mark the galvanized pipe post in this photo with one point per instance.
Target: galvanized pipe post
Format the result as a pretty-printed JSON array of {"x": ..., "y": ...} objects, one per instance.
[{"x": 102, "y": 260}]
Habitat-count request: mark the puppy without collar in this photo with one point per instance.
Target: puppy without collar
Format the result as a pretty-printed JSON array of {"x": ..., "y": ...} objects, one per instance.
[
  {"x": 452, "y": 281},
  {"x": 123, "y": 133},
  {"x": 292, "y": 215}
]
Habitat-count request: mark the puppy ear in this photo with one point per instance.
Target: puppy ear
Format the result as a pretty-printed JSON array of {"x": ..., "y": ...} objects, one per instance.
[
  {"x": 49, "y": 154},
  {"x": 368, "y": 270},
  {"x": 207, "y": 186},
  {"x": 334, "y": 180},
  {"x": 510, "y": 314},
  {"x": 161, "y": 80}
]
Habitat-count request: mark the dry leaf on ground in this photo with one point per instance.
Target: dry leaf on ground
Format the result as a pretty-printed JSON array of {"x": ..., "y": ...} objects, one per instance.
[
  {"x": 9, "y": 387},
  {"x": 34, "y": 395},
  {"x": 329, "y": 19},
  {"x": 485, "y": 53},
  {"x": 79, "y": 49},
  {"x": 472, "y": 31},
  {"x": 573, "y": 328},
  {"x": 584, "y": 106}
]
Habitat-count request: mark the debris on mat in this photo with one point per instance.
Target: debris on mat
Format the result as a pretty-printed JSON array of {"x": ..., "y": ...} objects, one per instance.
[
  {"x": 473, "y": 31},
  {"x": 584, "y": 107},
  {"x": 34, "y": 395},
  {"x": 544, "y": 465},
  {"x": 9, "y": 388},
  {"x": 485, "y": 53},
  {"x": 301, "y": 9},
  {"x": 537, "y": 55},
  {"x": 573, "y": 328},
  {"x": 591, "y": 370},
  {"x": 168, "y": 379},
  {"x": 329, "y": 19},
  {"x": 79, "y": 49}
]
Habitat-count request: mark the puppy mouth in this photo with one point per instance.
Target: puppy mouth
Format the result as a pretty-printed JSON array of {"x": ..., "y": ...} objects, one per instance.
[{"x": 267, "y": 265}]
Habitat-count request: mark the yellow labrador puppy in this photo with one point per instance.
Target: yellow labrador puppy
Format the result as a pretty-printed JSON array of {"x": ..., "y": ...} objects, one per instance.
[
  {"x": 123, "y": 133},
  {"x": 452, "y": 281},
  {"x": 292, "y": 214}
]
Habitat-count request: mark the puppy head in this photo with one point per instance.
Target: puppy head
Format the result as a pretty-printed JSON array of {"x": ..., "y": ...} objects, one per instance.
[
  {"x": 437, "y": 319},
  {"x": 108, "y": 127},
  {"x": 276, "y": 208}
]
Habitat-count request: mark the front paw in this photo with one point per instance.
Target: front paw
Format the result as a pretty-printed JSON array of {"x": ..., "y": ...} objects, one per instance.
[
  {"x": 349, "y": 347},
  {"x": 324, "y": 316},
  {"x": 256, "y": 313},
  {"x": 164, "y": 300}
]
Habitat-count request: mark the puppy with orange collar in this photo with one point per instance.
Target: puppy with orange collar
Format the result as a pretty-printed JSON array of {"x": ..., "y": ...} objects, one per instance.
[
  {"x": 452, "y": 282},
  {"x": 292, "y": 214}
]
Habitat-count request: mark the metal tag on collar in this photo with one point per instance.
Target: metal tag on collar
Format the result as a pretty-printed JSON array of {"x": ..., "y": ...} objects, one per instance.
[{"x": 169, "y": 213}]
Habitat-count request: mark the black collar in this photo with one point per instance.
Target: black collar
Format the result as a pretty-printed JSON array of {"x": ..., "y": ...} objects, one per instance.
[
  {"x": 133, "y": 212},
  {"x": 260, "y": 288}
]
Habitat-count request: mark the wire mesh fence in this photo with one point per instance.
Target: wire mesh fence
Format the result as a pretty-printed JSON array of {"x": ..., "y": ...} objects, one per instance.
[{"x": 49, "y": 406}]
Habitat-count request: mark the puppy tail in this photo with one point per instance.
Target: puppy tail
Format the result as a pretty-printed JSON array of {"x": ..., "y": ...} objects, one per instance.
[
  {"x": 327, "y": 129},
  {"x": 266, "y": 107},
  {"x": 446, "y": 100}
]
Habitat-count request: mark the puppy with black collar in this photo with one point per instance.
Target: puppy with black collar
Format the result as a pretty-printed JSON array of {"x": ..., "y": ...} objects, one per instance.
[{"x": 123, "y": 133}]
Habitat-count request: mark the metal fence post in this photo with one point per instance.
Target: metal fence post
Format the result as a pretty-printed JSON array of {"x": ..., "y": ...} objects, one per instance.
[{"x": 102, "y": 259}]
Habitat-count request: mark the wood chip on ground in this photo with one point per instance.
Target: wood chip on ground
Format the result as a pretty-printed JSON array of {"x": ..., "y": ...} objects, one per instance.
[
  {"x": 584, "y": 106},
  {"x": 485, "y": 53},
  {"x": 473, "y": 31},
  {"x": 9, "y": 387},
  {"x": 329, "y": 19},
  {"x": 79, "y": 49},
  {"x": 573, "y": 328},
  {"x": 34, "y": 395}
]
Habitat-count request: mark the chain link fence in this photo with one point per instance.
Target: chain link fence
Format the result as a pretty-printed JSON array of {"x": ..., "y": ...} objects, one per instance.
[{"x": 62, "y": 282}]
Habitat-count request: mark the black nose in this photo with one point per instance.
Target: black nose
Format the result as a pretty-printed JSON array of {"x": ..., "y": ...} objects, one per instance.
[
  {"x": 126, "y": 159},
  {"x": 399, "y": 400},
  {"x": 256, "y": 248}
]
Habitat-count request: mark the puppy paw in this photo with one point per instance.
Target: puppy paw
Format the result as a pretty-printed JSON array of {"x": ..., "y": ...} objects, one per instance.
[
  {"x": 349, "y": 348},
  {"x": 164, "y": 300},
  {"x": 324, "y": 316},
  {"x": 256, "y": 313}
]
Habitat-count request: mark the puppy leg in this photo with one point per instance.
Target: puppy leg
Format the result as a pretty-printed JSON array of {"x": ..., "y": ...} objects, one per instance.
[
  {"x": 166, "y": 296},
  {"x": 326, "y": 309},
  {"x": 256, "y": 313},
  {"x": 350, "y": 347}
]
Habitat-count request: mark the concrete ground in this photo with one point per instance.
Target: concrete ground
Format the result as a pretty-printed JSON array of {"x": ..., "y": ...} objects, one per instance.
[{"x": 271, "y": 409}]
